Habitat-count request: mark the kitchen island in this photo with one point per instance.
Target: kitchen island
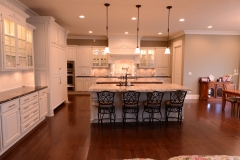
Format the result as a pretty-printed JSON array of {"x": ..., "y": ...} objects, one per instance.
[{"x": 143, "y": 88}]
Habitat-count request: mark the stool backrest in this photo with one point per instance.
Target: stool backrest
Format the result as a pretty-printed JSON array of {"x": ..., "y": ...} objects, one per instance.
[
  {"x": 105, "y": 97},
  {"x": 154, "y": 98},
  {"x": 177, "y": 97},
  {"x": 131, "y": 98}
]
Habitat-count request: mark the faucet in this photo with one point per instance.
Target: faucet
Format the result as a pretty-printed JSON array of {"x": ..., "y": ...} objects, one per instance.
[{"x": 126, "y": 78}]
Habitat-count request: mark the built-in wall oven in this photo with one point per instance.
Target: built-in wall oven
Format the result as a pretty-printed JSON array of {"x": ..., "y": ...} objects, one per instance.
[{"x": 70, "y": 76}]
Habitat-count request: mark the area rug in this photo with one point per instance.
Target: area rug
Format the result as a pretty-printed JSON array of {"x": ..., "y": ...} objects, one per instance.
[{"x": 207, "y": 157}]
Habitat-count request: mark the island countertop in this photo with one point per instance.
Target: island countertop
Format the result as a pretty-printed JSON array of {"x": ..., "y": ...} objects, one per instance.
[
  {"x": 137, "y": 87},
  {"x": 132, "y": 80}
]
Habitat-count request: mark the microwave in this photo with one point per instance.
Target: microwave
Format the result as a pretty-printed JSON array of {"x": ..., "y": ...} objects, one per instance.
[{"x": 70, "y": 65}]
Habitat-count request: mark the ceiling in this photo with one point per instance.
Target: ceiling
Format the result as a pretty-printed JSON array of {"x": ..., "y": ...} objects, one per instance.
[{"x": 222, "y": 15}]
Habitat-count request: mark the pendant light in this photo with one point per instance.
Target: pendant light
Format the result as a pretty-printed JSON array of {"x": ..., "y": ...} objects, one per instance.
[
  {"x": 106, "y": 50},
  {"x": 167, "y": 51},
  {"x": 137, "y": 50}
]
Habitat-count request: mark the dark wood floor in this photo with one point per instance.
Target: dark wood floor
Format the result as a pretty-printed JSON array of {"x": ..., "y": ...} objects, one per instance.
[{"x": 206, "y": 130}]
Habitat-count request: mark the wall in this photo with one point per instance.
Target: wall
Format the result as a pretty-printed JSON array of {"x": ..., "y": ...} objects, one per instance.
[
  {"x": 209, "y": 54},
  {"x": 88, "y": 42}
]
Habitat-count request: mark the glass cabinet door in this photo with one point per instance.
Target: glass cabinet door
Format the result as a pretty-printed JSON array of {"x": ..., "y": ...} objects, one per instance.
[
  {"x": 29, "y": 49},
  {"x": 9, "y": 41},
  {"x": 103, "y": 59},
  {"x": 22, "y": 54},
  {"x": 95, "y": 58},
  {"x": 147, "y": 58}
]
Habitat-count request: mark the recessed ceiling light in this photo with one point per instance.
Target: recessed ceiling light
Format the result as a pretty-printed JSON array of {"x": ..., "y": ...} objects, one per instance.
[
  {"x": 81, "y": 16},
  {"x": 209, "y": 27},
  {"x": 90, "y": 32},
  {"x": 126, "y": 32},
  {"x": 159, "y": 33},
  {"x": 134, "y": 18},
  {"x": 181, "y": 20}
]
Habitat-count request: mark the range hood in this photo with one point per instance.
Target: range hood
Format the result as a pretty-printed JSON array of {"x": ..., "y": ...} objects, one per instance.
[{"x": 123, "y": 48}]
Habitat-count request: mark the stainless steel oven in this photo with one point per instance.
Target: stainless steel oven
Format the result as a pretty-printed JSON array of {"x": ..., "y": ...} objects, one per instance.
[{"x": 70, "y": 76}]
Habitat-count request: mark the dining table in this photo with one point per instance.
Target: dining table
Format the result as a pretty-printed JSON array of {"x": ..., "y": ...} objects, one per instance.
[{"x": 229, "y": 92}]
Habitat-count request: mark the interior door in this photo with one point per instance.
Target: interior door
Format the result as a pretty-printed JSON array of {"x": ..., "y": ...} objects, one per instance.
[{"x": 177, "y": 63}]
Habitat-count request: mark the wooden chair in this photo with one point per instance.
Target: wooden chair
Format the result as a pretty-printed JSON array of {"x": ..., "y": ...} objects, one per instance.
[{"x": 230, "y": 98}]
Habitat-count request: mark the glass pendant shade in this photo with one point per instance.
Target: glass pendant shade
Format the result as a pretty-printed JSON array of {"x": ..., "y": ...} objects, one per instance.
[
  {"x": 106, "y": 50},
  {"x": 137, "y": 50},
  {"x": 167, "y": 51}
]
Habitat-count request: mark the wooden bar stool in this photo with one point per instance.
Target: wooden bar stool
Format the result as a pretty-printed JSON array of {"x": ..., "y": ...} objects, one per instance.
[
  {"x": 153, "y": 105},
  {"x": 106, "y": 106},
  {"x": 174, "y": 105},
  {"x": 130, "y": 105}
]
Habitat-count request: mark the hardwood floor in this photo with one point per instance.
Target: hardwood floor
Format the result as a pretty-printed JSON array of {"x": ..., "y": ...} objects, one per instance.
[{"x": 69, "y": 135}]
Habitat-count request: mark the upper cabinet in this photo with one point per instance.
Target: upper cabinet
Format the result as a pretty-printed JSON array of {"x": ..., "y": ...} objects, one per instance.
[
  {"x": 147, "y": 58},
  {"x": 71, "y": 53},
  {"x": 162, "y": 62},
  {"x": 83, "y": 61},
  {"x": 16, "y": 35},
  {"x": 57, "y": 36},
  {"x": 99, "y": 58}
]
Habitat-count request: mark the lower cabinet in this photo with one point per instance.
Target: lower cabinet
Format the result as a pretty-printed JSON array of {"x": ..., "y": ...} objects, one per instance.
[
  {"x": 10, "y": 127},
  {"x": 83, "y": 84},
  {"x": 43, "y": 108},
  {"x": 20, "y": 115}
]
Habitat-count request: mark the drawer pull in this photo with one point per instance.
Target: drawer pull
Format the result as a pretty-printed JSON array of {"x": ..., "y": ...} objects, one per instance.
[
  {"x": 26, "y": 116},
  {"x": 27, "y": 125},
  {"x": 34, "y": 103},
  {"x": 35, "y": 111},
  {"x": 34, "y": 96},
  {"x": 43, "y": 92},
  {"x": 35, "y": 119},
  {"x": 26, "y": 99},
  {"x": 26, "y": 107},
  {"x": 11, "y": 105}
]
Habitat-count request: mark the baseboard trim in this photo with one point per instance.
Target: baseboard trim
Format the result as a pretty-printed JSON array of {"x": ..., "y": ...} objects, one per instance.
[{"x": 192, "y": 96}]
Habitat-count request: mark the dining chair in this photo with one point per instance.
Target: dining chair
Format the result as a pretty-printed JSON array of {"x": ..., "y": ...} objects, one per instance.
[
  {"x": 130, "y": 105},
  {"x": 106, "y": 106},
  {"x": 230, "y": 98},
  {"x": 152, "y": 106},
  {"x": 175, "y": 105}
]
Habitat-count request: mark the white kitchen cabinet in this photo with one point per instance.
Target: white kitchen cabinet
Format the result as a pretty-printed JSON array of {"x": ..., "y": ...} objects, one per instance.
[
  {"x": 83, "y": 61},
  {"x": 71, "y": 53},
  {"x": 147, "y": 58},
  {"x": 10, "y": 127},
  {"x": 50, "y": 59},
  {"x": 83, "y": 84},
  {"x": 43, "y": 109},
  {"x": 99, "y": 58},
  {"x": 17, "y": 43},
  {"x": 162, "y": 62}
]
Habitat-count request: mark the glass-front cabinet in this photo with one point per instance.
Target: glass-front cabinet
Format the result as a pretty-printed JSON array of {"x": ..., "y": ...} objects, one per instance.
[
  {"x": 147, "y": 58},
  {"x": 17, "y": 50},
  {"x": 100, "y": 59}
]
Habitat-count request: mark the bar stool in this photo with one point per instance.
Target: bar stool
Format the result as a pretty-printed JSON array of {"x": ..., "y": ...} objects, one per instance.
[
  {"x": 130, "y": 105},
  {"x": 153, "y": 105},
  {"x": 106, "y": 106},
  {"x": 174, "y": 105}
]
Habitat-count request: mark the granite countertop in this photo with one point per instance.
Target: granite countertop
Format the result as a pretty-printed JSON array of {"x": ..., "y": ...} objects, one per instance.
[
  {"x": 18, "y": 92},
  {"x": 129, "y": 77},
  {"x": 136, "y": 80},
  {"x": 137, "y": 87}
]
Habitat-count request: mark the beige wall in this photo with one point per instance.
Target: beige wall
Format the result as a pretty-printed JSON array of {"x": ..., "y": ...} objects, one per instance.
[
  {"x": 88, "y": 42},
  {"x": 153, "y": 43},
  {"x": 209, "y": 54}
]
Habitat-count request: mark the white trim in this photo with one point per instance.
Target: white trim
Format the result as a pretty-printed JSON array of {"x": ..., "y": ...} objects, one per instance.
[
  {"x": 208, "y": 32},
  {"x": 192, "y": 96},
  {"x": 13, "y": 8},
  {"x": 177, "y": 35},
  {"x": 27, "y": 8},
  {"x": 87, "y": 37},
  {"x": 145, "y": 38}
]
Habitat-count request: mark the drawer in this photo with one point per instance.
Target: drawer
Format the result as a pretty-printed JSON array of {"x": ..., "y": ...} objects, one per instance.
[
  {"x": 28, "y": 106},
  {"x": 7, "y": 106},
  {"x": 28, "y": 98},
  {"x": 25, "y": 117},
  {"x": 42, "y": 92},
  {"x": 27, "y": 125}
]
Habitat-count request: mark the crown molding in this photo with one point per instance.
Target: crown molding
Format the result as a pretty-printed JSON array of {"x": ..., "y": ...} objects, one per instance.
[
  {"x": 41, "y": 18},
  {"x": 146, "y": 38},
  {"x": 87, "y": 37},
  {"x": 212, "y": 32},
  {"x": 177, "y": 35},
  {"x": 30, "y": 26},
  {"x": 27, "y": 8},
  {"x": 13, "y": 8}
]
